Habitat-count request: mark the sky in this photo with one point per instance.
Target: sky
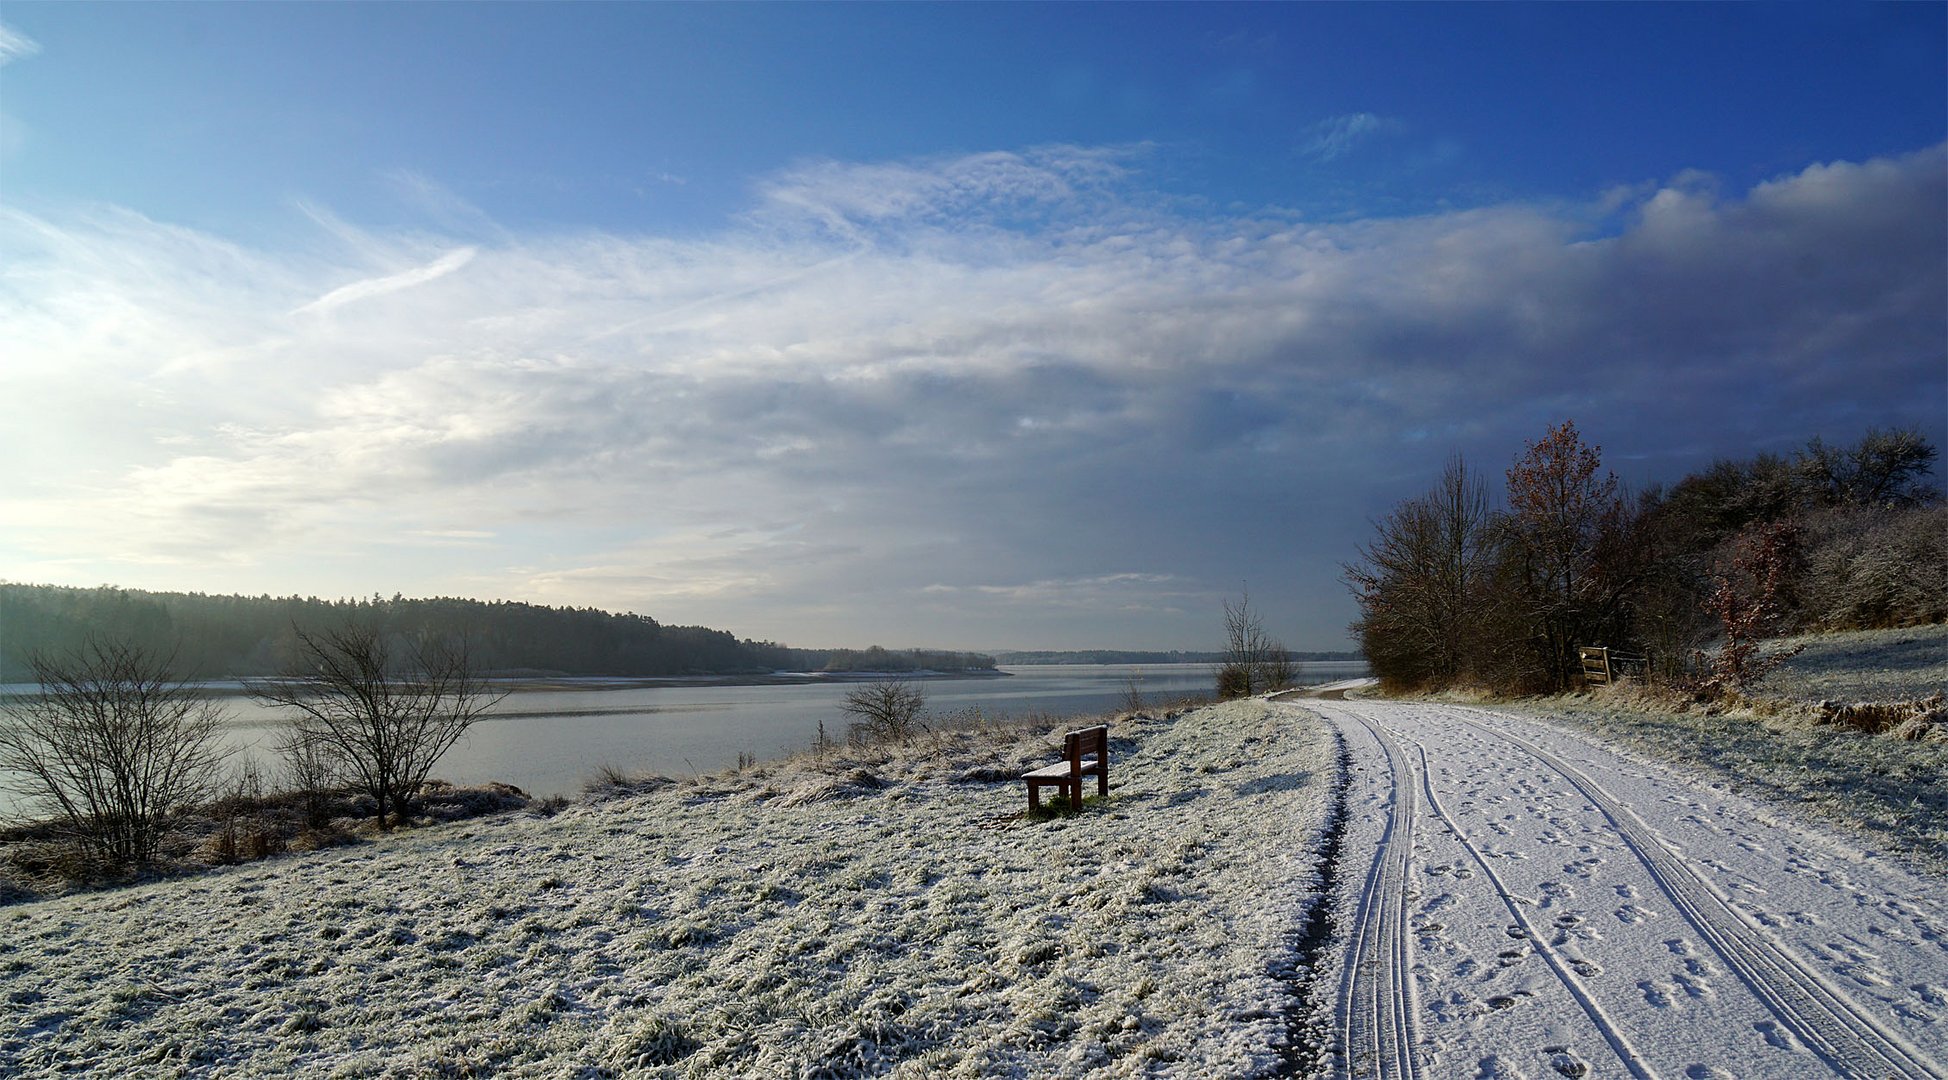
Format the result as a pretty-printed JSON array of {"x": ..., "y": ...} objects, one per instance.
[{"x": 966, "y": 326}]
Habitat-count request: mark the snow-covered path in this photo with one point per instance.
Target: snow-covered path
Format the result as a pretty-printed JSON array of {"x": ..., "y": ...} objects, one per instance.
[{"x": 1519, "y": 901}]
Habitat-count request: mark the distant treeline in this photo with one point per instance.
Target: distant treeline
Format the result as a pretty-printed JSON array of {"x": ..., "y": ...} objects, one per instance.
[
  {"x": 215, "y": 636},
  {"x": 1026, "y": 658},
  {"x": 878, "y": 659}
]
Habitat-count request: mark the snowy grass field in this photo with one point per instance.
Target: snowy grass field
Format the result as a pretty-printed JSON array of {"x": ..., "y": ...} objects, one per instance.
[
  {"x": 1888, "y": 792},
  {"x": 880, "y": 912}
]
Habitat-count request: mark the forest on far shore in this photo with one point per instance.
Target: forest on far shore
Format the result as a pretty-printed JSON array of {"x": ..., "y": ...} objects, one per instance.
[{"x": 216, "y": 636}]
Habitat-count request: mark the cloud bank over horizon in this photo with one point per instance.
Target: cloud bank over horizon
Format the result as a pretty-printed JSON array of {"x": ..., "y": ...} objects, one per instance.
[{"x": 997, "y": 399}]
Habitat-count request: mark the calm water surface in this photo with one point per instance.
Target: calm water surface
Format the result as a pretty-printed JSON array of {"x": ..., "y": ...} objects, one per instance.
[{"x": 550, "y": 741}]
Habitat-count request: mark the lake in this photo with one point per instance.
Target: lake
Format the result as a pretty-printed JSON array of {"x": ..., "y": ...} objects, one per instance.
[{"x": 550, "y": 741}]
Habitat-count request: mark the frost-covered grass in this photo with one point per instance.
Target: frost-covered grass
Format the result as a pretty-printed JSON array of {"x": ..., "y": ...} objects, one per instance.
[
  {"x": 865, "y": 912},
  {"x": 1893, "y": 793},
  {"x": 1865, "y": 665}
]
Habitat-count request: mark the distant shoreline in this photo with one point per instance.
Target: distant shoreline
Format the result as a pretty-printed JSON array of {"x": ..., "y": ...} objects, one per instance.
[{"x": 1040, "y": 658}]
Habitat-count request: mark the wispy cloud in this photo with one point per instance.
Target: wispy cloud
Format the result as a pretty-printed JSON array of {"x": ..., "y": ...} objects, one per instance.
[
  {"x": 14, "y": 45},
  {"x": 1338, "y": 136},
  {"x": 1097, "y": 590},
  {"x": 391, "y": 283},
  {"x": 912, "y": 400}
]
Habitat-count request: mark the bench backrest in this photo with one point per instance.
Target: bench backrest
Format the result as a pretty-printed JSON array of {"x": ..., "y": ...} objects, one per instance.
[{"x": 1088, "y": 742}]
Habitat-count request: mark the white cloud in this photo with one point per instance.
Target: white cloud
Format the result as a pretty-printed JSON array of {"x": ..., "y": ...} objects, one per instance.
[{"x": 917, "y": 400}]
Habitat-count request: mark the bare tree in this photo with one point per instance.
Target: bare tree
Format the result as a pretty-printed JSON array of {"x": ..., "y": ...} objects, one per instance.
[
  {"x": 886, "y": 709},
  {"x": 1884, "y": 470},
  {"x": 385, "y": 722},
  {"x": 1254, "y": 661},
  {"x": 111, "y": 746},
  {"x": 1562, "y": 514},
  {"x": 1421, "y": 582}
]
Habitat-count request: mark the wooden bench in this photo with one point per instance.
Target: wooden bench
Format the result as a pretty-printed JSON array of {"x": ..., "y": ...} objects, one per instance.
[{"x": 1083, "y": 752}]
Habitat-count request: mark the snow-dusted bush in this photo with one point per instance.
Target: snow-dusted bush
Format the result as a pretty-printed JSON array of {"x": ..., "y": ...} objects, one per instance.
[{"x": 1871, "y": 569}]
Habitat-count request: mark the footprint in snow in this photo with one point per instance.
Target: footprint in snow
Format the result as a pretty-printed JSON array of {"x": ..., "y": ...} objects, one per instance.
[
  {"x": 1494, "y": 1068},
  {"x": 1774, "y": 1035},
  {"x": 1566, "y": 1062},
  {"x": 1631, "y": 914},
  {"x": 1696, "y": 988}
]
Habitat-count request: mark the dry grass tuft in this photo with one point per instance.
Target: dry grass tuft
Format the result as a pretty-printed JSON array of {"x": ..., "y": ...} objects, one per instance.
[{"x": 1910, "y": 721}]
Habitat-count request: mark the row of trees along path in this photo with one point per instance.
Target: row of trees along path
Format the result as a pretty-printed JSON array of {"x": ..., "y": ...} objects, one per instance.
[{"x": 1451, "y": 589}]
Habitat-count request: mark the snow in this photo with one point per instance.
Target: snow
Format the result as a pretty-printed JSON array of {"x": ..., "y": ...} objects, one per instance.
[
  {"x": 1521, "y": 901},
  {"x": 862, "y": 913}
]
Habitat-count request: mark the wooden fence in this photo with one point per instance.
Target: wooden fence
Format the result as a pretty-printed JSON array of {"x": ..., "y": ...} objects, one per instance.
[{"x": 1603, "y": 666}]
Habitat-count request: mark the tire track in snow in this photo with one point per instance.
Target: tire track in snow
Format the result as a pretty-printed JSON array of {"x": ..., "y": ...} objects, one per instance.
[
  {"x": 1847, "y": 1037},
  {"x": 1379, "y": 1007},
  {"x": 1612, "y": 1034}
]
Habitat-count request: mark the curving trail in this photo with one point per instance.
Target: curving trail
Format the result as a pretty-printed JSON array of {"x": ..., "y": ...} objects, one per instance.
[{"x": 1535, "y": 905}]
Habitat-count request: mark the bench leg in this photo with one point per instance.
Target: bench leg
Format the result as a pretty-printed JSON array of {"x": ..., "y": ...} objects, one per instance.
[{"x": 1034, "y": 799}]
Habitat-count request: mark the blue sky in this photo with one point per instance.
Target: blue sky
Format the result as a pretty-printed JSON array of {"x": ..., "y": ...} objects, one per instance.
[{"x": 965, "y": 325}]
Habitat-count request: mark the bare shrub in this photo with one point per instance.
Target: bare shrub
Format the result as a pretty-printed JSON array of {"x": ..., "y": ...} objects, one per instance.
[
  {"x": 246, "y": 829},
  {"x": 312, "y": 771},
  {"x": 1747, "y": 600},
  {"x": 887, "y": 710},
  {"x": 111, "y": 747}
]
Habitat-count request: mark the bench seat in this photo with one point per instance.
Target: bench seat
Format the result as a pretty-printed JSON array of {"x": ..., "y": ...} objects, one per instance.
[
  {"x": 1084, "y": 753},
  {"x": 1059, "y": 770}
]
